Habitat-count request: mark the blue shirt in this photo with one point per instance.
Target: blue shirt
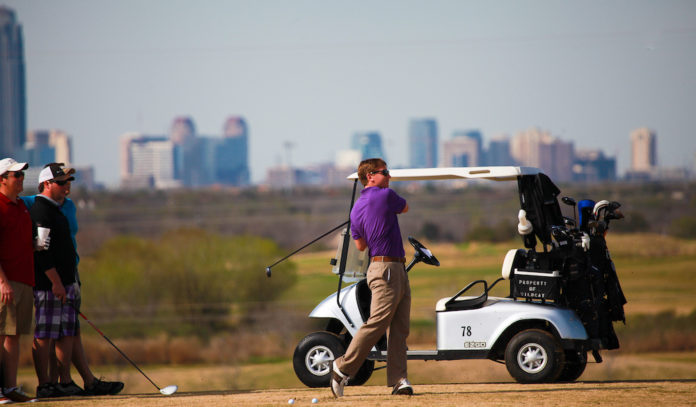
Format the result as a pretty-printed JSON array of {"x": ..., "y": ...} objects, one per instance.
[{"x": 374, "y": 218}]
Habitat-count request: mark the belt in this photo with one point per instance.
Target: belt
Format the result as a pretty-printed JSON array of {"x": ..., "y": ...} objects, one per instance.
[{"x": 387, "y": 259}]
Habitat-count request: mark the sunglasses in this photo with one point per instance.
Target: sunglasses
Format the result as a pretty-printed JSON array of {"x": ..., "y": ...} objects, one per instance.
[
  {"x": 61, "y": 183},
  {"x": 384, "y": 172},
  {"x": 16, "y": 174}
]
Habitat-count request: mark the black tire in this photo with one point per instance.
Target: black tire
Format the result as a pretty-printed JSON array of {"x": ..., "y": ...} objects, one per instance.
[
  {"x": 534, "y": 356},
  {"x": 575, "y": 363},
  {"x": 363, "y": 375},
  {"x": 313, "y": 357}
]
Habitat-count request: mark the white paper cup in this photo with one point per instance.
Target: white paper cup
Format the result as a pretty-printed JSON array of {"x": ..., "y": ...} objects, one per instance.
[{"x": 42, "y": 235}]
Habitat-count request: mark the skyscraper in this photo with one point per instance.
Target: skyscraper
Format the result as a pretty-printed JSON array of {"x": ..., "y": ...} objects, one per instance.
[
  {"x": 422, "y": 143},
  {"x": 45, "y": 146},
  {"x": 12, "y": 85},
  {"x": 643, "y": 150},
  {"x": 369, "y": 143},
  {"x": 147, "y": 162},
  {"x": 499, "y": 151},
  {"x": 232, "y": 154},
  {"x": 463, "y": 150},
  {"x": 537, "y": 148}
]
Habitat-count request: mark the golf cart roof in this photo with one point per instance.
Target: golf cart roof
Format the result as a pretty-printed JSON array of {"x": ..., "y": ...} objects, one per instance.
[{"x": 491, "y": 173}]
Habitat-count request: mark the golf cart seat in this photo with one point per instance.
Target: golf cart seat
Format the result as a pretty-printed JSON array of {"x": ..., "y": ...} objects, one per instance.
[{"x": 458, "y": 303}]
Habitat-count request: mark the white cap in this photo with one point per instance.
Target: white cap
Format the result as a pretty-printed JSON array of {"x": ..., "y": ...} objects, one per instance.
[
  {"x": 54, "y": 172},
  {"x": 10, "y": 164}
]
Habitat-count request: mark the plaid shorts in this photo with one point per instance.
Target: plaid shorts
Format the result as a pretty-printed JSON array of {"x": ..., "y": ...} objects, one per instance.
[{"x": 55, "y": 319}]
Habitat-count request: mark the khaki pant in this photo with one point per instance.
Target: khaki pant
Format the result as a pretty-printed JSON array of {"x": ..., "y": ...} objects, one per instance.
[{"x": 390, "y": 312}]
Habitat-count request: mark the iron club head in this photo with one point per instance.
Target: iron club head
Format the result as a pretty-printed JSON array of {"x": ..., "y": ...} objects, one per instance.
[{"x": 169, "y": 390}]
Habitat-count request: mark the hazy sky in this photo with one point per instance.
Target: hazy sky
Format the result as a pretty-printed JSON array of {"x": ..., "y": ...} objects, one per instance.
[{"x": 314, "y": 72}]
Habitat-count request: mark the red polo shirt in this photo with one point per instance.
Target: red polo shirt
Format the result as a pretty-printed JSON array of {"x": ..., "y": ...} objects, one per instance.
[{"x": 16, "y": 241}]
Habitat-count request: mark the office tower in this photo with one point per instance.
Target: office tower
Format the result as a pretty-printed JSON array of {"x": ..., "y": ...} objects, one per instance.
[
  {"x": 232, "y": 153},
  {"x": 499, "y": 152},
  {"x": 12, "y": 85},
  {"x": 422, "y": 143},
  {"x": 369, "y": 143},
  {"x": 45, "y": 146},
  {"x": 463, "y": 150},
  {"x": 183, "y": 130},
  {"x": 537, "y": 148},
  {"x": 592, "y": 166},
  {"x": 643, "y": 150},
  {"x": 188, "y": 152},
  {"x": 147, "y": 162}
]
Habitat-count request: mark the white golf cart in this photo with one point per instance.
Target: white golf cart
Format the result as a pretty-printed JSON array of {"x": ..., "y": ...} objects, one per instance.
[{"x": 562, "y": 299}]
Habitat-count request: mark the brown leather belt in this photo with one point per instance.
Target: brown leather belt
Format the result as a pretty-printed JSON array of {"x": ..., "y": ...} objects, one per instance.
[{"x": 387, "y": 259}]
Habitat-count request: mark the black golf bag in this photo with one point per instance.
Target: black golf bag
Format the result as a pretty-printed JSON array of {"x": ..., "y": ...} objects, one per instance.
[{"x": 567, "y": 271}]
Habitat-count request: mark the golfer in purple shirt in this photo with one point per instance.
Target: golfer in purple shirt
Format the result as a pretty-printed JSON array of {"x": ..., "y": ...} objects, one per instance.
[{"x": 374, "y": 226}]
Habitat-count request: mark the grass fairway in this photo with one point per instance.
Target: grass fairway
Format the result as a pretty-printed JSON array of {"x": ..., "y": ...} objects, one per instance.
[{"x": 656, "y": 273}]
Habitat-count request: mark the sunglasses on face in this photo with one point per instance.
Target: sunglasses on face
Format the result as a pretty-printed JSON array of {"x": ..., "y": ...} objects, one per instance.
[
  {"x": 61, "y": 183},
  {"x": 384, "y": 172},
  {"x": 16, "y": 174}
]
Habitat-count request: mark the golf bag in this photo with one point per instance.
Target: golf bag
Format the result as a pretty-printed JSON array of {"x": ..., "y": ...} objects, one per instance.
[{"x": 567, "y": 271}]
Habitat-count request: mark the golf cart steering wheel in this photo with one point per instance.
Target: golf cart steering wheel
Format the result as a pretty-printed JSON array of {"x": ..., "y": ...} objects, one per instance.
[{"x": 422, "y": 254}]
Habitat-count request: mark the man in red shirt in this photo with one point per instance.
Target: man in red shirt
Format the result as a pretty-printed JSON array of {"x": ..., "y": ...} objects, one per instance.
[{"x": 16, "y": 273}]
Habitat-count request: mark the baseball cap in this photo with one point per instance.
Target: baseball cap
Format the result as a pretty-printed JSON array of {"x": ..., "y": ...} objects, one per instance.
[
  {"x": 53, "y": 172},
  {"x": 10, "y": 164}
]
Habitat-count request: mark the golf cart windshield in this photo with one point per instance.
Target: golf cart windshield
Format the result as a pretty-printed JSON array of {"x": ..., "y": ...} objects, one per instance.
[{"x": 356, "y": 261}]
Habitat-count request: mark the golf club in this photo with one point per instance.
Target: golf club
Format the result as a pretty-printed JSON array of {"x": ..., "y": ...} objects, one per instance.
[{"x": 167, "y": 391}]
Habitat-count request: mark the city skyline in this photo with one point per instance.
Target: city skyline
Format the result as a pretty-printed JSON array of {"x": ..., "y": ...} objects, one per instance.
[{"x": 314, "y": 73}]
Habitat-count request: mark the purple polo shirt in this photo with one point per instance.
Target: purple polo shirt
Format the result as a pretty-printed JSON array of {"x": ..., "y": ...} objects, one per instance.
[{"x": 374, "y": 218}]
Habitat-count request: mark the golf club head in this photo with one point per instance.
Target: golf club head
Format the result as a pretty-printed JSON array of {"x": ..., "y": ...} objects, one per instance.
[
  {"x": 568, "y": 201},
  {"x": 268, "y": 272},
  {"x": 169, "y": 390}
]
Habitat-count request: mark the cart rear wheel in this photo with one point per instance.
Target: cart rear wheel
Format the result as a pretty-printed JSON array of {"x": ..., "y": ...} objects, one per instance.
[
  {"x": 534, "y": 356},
  {"x": 574, "y": 366},
  {"x": 363, "y": 375},
  {"x": 313, "y": 357}
]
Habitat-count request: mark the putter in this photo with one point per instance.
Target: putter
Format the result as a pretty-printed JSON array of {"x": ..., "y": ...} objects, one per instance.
[{"x": 167, "y": 391}]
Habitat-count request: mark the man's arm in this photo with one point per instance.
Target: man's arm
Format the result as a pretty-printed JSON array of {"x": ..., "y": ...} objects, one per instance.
[
  {"x": 58, "y": 289},
  {"x": 361, "y": 244}
]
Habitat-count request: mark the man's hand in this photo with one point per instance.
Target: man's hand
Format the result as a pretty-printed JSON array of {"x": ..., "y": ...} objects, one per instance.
[
  {"x": 59, "y": 291},
  {"x": 361, "y": 244},
  {"x": 6, "y": 292}
]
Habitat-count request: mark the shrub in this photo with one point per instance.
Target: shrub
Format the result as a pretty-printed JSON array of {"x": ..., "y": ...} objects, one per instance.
[{"x": 186, "y": 282}]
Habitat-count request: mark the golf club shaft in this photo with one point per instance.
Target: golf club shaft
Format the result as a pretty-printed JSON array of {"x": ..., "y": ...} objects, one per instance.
[{"x": 114, "y": 345}]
